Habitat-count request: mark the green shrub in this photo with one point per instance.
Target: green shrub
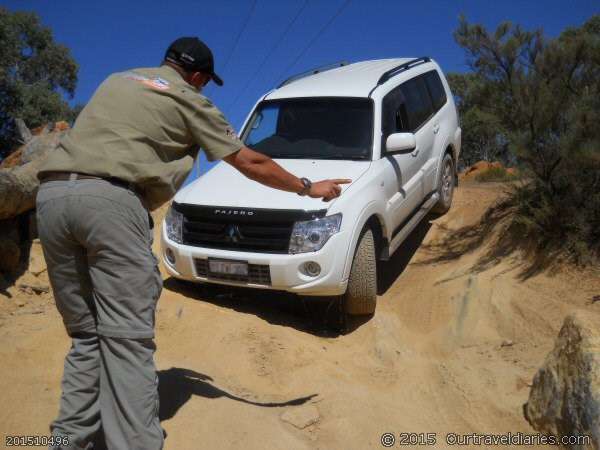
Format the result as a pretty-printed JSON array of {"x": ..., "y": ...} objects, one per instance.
[{"x": 540, "y": 97}]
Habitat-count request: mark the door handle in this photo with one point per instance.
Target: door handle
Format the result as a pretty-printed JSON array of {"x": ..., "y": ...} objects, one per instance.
[{"x": 436, "y": 128}]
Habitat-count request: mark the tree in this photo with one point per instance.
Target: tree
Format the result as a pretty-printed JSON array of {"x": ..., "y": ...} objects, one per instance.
[
  {"x": 542, "y": 97},
  {"x": 483, "y": 136},
  {"x": 35, "y": 73}
]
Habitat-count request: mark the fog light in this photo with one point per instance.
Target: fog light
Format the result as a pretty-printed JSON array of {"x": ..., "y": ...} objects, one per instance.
[
  {"x": 170, "y": 256},
  {"x": 312, "y": 268}
]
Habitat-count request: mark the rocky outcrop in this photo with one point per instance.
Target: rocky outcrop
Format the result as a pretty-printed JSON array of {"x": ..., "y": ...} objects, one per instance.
[
  {"x": 18, "y": 183},
  {"x": 18, "y": 189},
  {"x": 565, "y": 396}
]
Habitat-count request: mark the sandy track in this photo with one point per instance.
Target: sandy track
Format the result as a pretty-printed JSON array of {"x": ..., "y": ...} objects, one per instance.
[{"x": 235, "y": 364}]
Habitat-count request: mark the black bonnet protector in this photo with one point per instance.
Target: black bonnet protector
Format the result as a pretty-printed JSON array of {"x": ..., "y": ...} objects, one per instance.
[{"x": 245, "y": 215}]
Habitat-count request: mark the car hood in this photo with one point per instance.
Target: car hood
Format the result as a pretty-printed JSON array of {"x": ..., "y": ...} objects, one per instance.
[{"x": 223, "y": 185}]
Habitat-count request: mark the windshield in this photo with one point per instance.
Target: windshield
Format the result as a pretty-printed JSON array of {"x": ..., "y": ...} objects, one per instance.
[{"x": 312, "y": 128}]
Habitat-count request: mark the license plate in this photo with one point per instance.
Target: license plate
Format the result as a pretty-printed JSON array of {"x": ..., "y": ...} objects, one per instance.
[{"x": 228, "y": 267}]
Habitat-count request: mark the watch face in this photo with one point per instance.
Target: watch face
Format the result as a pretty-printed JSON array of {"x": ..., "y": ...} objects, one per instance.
[{"x": 307, "y": 185}]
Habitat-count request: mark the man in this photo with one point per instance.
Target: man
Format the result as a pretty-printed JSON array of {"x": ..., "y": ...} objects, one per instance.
[{"x": 129, "y": 151}]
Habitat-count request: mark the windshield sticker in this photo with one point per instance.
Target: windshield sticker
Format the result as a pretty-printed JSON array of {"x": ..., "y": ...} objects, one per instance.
[{"x": 231, "y": 133}]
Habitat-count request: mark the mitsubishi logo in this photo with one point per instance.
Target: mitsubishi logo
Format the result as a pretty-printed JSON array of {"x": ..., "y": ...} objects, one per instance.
[{"x": 233, "y": 233}]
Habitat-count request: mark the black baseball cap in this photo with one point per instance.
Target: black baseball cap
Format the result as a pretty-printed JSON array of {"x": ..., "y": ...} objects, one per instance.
[{"x": 193, "y": 55}]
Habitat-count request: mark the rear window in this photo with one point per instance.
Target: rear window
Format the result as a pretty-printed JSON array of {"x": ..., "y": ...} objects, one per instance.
[
  {"x": 417, "y": 102},
  {"x": 436, "y": 89}
]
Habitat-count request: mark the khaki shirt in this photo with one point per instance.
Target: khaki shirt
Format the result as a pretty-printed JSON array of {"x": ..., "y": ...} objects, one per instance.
[{"x": 144, "y": 126}]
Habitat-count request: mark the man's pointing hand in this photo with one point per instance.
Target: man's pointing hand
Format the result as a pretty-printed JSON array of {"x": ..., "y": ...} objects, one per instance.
[{"x": 327, "y": 189}]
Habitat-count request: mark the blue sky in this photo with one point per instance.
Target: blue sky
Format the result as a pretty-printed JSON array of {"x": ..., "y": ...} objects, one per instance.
[{"x": 110, "y": 36}]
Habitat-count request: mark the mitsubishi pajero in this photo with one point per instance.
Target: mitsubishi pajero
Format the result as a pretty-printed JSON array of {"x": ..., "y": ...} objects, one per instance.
[{"x": 389, "y": 125}]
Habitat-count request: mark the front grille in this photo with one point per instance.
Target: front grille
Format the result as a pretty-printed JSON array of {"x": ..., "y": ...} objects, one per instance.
[
  {"x": 240, "y": 229},
  {"x": 233, "y": 235},
  {"x": 257, "y": 273}
]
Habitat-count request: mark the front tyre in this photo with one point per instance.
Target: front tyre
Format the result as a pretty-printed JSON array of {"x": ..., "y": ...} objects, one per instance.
[
  {"x": 445, "y": 186},
  {"x": 361, "y": 295}
]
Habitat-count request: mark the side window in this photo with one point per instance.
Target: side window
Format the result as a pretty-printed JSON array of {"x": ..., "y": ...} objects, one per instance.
[
  {"x": 417, "y": 101},
  {"x": 393, "y": 115},
  {"x": 436, "y": 89}
]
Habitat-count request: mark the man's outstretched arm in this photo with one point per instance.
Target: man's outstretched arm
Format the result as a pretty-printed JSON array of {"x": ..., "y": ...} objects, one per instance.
[{"x": 261, "y": 168}]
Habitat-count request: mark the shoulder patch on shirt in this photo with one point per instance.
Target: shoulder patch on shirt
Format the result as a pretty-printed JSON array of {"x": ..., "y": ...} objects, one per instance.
[{"x": 155, "y": 83}]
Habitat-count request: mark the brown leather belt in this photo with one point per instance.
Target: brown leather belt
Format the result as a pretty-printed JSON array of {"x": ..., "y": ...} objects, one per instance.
[{"x": 63, "y": 176}]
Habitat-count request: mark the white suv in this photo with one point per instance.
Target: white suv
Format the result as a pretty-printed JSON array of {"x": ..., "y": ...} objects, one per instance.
[{"x": 389, "y": 125}]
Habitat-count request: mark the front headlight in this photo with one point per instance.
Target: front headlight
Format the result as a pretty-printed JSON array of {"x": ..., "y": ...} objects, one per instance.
[
  {"x": 174, "y": 224},
  {"x": 311, "y": 235}
]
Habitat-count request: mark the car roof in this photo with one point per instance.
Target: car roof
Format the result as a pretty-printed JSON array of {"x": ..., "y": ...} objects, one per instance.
[{"x": 352, "y": 80}]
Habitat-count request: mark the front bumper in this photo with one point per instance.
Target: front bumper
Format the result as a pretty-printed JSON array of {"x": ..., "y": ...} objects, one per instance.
[{"x": 284, "y": 269}]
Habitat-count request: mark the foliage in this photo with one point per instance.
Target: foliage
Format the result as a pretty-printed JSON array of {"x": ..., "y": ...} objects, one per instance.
[
  {"x": 35, "y": 72},
  {"x": 483, "y": 138},
  {"x": 540, "y": 98}
]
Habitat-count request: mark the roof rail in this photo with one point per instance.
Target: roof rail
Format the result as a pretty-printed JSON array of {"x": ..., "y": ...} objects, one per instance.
[
  {"x": 401, "y": 68},
  {"x": 313, "y": 72}
]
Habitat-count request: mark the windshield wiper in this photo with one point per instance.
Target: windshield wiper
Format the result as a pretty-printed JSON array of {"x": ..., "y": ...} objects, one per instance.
[
  {"x": 304, "y": 156},
  {"x": 296, "y": 156},
  {"x": 353, "y": 158}
]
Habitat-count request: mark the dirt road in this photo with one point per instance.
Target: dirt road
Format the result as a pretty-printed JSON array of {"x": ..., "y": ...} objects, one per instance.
[{"x": 452, "y": 348}]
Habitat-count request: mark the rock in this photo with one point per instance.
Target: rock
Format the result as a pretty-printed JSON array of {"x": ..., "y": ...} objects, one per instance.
[
  {"x": 18, "y": 182},
  {"x": 12, "y": 160},
  {"x": 10, "y": 251},
  {"x": 565, "y": 395},
  {"x": 44, "y": 129},
  {"x": 31, "y": 231},
  {"x": 37, "y": 264},
  {"x": 18, "y": 188},
  {"x": 10, "y": 255},
  {"x": 9, "y": 229},
  {"x": 40, "y": 145},
  {"x": 507, "y": 343},
  {"x": 34, "y": 288},
  {"x": 61, "y": 126},
  {"x": 24, "y": 132},
  {"x": 301, "y": 416}
]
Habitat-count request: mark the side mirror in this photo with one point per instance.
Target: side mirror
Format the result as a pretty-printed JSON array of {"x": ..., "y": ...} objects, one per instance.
[{"x": 401, "y": 143}]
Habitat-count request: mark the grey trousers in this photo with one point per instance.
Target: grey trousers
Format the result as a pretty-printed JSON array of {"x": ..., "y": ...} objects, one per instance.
[{"x": 97, "y": 238}]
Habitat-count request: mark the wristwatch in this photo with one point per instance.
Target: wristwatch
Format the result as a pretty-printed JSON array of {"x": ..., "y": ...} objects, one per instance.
[{"x": 307, "y": 185}]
